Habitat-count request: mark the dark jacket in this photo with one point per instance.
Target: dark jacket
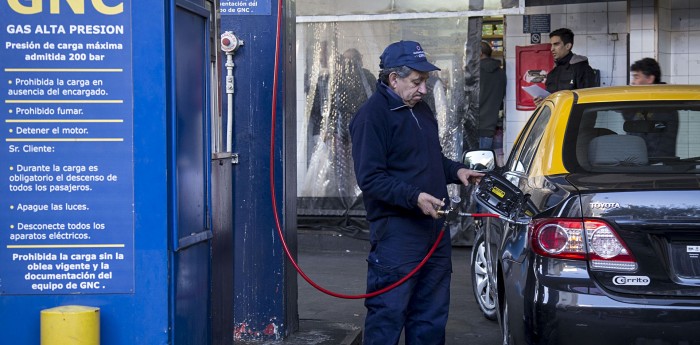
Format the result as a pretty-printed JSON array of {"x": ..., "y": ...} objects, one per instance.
[
  {"x": 661, "y": 140},
  {"x": 492, "y": 89},
  {"x": 570, "y": 73},
  {"x": 397, "y": 155}
]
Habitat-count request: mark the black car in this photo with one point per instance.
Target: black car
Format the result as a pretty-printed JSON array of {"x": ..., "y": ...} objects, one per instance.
[{"x": 598, "y": 240}]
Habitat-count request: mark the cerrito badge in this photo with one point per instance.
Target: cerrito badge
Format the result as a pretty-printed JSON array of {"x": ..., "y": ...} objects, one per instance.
[{"x": 631, "y": 280}]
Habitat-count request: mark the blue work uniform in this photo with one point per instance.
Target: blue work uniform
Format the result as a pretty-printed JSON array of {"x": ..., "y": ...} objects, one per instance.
[{"x": 397, "y": 155}]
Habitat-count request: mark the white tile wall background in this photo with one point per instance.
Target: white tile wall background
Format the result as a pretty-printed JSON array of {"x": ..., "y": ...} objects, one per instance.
[{"x": 679, "y": 40}]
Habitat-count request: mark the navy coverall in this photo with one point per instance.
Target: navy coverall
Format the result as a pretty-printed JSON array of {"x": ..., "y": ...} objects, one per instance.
[{"x": 397, "y": 155}]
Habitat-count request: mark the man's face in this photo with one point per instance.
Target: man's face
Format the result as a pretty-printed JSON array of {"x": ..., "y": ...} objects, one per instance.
[
  {"x": 559, "y": 49},
  {"x": 412, "y": 88},
  {"x": 639, "y": 78}
]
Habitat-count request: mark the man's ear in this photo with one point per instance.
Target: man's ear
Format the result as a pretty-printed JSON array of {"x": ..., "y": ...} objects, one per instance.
[
  {"x": 392, "y": 78},
  {"x": 569, "y": 46}
]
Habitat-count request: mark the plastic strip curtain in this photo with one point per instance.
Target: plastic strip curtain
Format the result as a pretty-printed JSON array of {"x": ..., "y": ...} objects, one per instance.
[{"x": 337, "y": 67}]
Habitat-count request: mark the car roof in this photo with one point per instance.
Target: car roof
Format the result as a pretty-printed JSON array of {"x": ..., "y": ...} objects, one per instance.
[{"x": 656, "y": 92}]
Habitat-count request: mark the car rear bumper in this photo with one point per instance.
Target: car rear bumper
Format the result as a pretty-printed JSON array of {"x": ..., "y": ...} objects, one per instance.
[
  {"x": 565, "y": 308},
  {"x": 576, "y": 318}
]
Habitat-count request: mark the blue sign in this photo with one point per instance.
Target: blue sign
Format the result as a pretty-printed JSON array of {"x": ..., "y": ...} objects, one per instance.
[
  {"x": 66, "y": 177},
  {"x": 243, "y": 7}
]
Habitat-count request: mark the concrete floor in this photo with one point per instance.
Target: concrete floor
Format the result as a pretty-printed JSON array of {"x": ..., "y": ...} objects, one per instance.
[{"x": 338, "y": 264}]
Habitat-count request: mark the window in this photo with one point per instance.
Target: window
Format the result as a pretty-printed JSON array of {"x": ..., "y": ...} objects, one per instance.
[
  {"x": 530, "y": 142},
  {"x": 638, "y": 137}
]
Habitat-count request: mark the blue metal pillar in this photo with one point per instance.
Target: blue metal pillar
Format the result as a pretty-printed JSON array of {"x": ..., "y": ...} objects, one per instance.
[{"x": 264, "y": 286}]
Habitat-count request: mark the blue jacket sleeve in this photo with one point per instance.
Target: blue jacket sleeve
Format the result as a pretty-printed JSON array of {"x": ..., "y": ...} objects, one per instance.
[
  {"x": 369, "y": 152},
  {"x": 451, "y": 167}
]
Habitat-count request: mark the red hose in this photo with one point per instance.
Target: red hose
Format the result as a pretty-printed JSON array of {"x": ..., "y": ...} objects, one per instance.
[{"x": 275, "y": 82}]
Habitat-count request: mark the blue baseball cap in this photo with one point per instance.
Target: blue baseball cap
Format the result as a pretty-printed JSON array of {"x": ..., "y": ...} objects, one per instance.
[{"x": 406, "y": 53}]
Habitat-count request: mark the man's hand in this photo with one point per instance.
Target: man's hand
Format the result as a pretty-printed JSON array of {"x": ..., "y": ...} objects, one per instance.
[
  {"x": 429, "y": 204},
  {"x": 469, "y": 176}
]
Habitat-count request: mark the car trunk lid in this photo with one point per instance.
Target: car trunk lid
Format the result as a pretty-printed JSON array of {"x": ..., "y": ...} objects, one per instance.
[{"x": 658, "y": 219}]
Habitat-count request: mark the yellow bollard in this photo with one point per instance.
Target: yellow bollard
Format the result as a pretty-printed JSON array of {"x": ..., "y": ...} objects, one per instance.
[{"x": 70, "y": 325}]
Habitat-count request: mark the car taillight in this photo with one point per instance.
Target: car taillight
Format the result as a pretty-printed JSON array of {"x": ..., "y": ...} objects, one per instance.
[{"x": 564, "y": 239}]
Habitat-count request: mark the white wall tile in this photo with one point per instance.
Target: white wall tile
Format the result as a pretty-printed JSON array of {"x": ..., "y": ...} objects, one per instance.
[
  {"x": 679, "y": 19},
  {"x": 580, "y": 45},
  {"x": 603, "y": 64},
  {"x": 617, "y": 6},
  {"x": 679, "y": 65},
  {"x": 515, "y": 127},
  {"x": 536, "y": 10},
  {"x": 523, "y": 115},
  {"x": 695, "y": 79},
  {"x": 511, "y": 86},
  {"x": 693, "y": 65},
  {"x": 679, "y": 80},
  {"x": 556, "y": 9},
  {"x": 664, "y": 60},
  {"x": 514, "y": 25},
  {"x": 621, "y": 69},
  {"x": 679, "y": 42},
  {"x": 694, "y": 19},
  {"x": 620, "y": 81},
  {"x": 648, "y": 18},
  {"x": 635, "y": 18},
  {"x": 597, "y": 23},
  {"x": 681, "y": 3},
  {"x": 648, "y": 41},
  {"x": 664, "y": 19},
  {"x": 576, "y": 21},
  {"x": 635, "y": 41},
  {"x": 511, "y": 83},
  {"x": 636, "y": 56},
  {"x": 597, "y": 7},
  {"x": 558, "y": 21},
  {"x": 512, "y": 42},
  {"x": 693, "y": 42},
  {"x": 510, "y": 109},
  {"x": 576, "y": 8},
  {"x": 598, "y": 45},
  {"x": 617, "y": 21},
  {"x": 620, "y": 46},
  {"x": 665, "y": 43}
]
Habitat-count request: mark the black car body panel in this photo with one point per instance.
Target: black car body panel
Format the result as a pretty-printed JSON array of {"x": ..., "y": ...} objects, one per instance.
[
  {"x": 647, "y": 208},
  {"x": 547, "y": 292}
]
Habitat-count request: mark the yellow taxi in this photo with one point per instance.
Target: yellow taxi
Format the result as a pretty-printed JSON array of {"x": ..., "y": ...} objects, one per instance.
[{"x": 598, "y": 240}]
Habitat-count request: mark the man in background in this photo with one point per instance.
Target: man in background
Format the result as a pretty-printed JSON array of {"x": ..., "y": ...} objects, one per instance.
[
  {"x": 492, "y": 90},
  {"x": 570, "y": 71},
  {"x": 662, "y": 132}
]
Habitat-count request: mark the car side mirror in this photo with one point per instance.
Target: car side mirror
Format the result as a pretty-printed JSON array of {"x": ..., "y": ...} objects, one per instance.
[{"x": 480, "y": 160}]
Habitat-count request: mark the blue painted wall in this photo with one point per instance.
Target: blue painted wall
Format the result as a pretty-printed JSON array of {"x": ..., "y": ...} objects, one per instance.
[{"x": 141, "y": 317}]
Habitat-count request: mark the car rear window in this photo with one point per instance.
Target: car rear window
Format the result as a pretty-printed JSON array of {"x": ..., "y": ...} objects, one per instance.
[{"x": 640, "y": 137}]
